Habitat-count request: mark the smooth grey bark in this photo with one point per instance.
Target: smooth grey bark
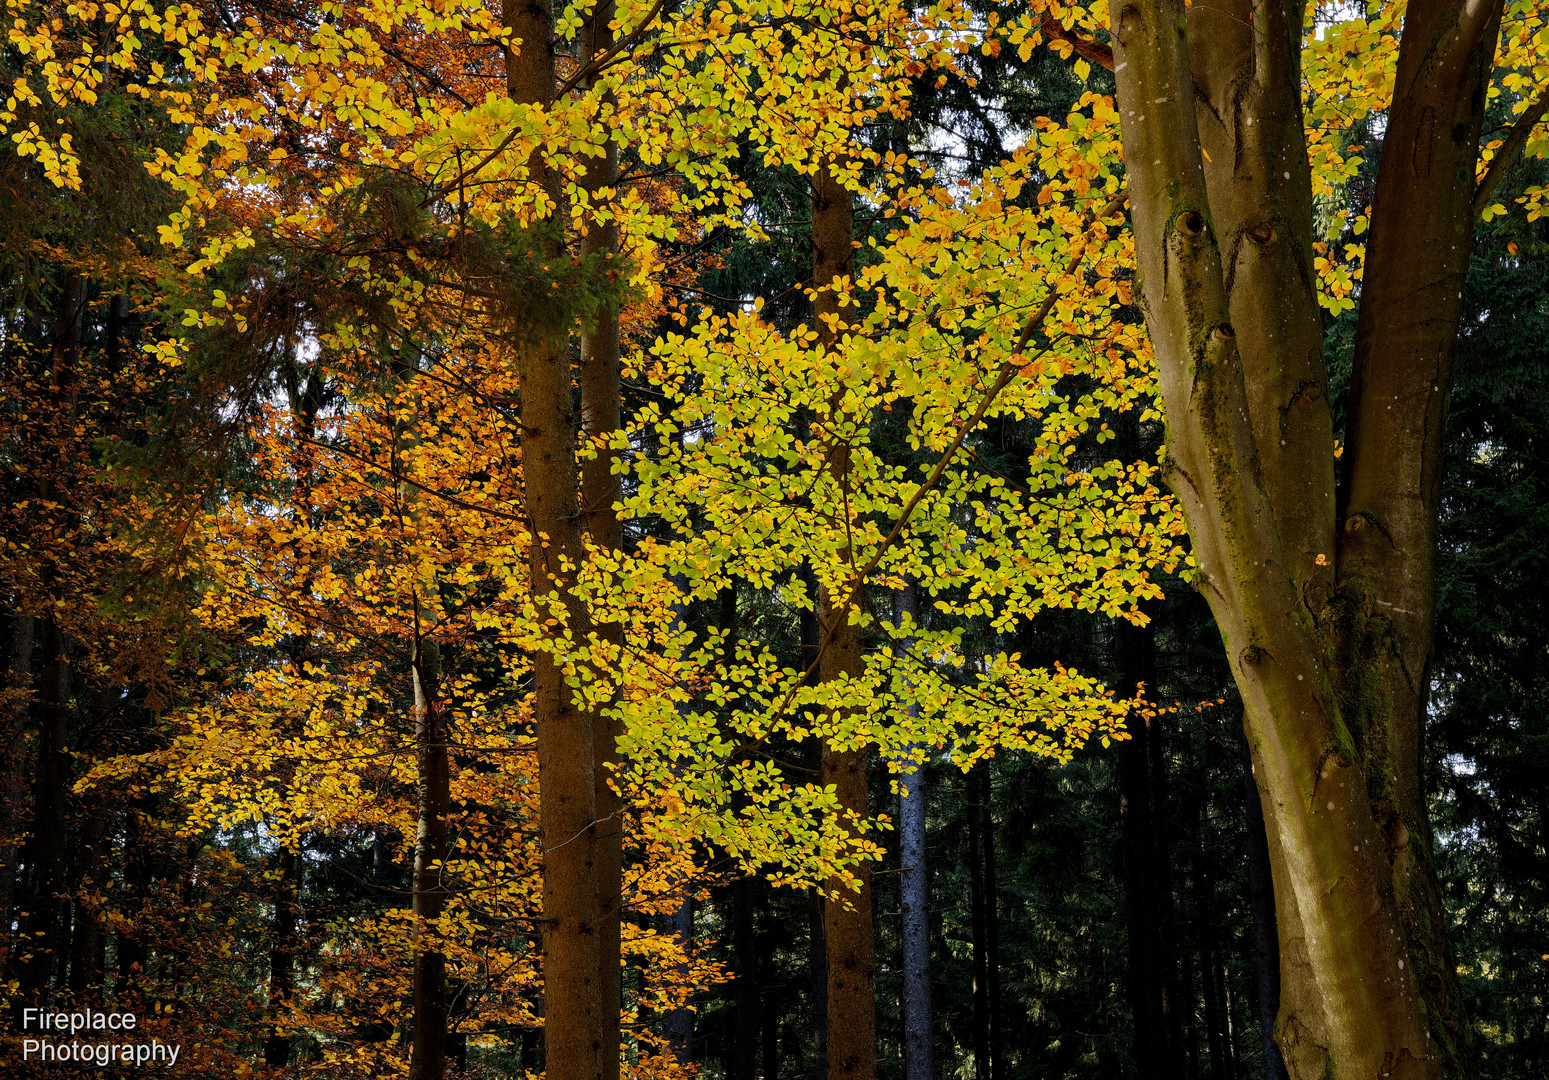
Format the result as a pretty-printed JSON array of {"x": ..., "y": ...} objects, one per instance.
[
  {"x": 914, "y": 890},
  {"x": 1326, "y": 611}
]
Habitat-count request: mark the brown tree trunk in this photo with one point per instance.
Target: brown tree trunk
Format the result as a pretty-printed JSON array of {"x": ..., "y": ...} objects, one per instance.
[
  {"x": 847, "y": 917},
  {"x": 427, "y": 1059},
  {"x": 567, "y": 773},
  {"x": 1326, "y": 612},
  {"x": 601, "y": 417}
]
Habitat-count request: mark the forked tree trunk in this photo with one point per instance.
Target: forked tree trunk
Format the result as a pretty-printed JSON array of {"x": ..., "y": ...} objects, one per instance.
[
  {"x": 567, "y": 775},
  {"x": 847, "y": 917},
  {"x": 1326, "y": 610}
]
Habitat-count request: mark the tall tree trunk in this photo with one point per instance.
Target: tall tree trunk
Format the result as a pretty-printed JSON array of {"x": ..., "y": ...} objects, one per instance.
[
  {"x": 427, "y": 1059},
  {"x": 991, "y": 919},
  {"x": 847, "y": 917},
  {"x": 978, "y": 929},
  {"x": 914, "y": 891},
  {"x": 1212, "y": 979},
  {"x": 567, "y": 772},
  {"x": 771, "y": 1017},
  {"x": 282, "y": 954},
  {"x": 745, "y": 986},
  {"x": 817, "y": 955},
  {"x": 306, "y": 399},
  {"x": 817, "y": 959},
  {"x": 88, "y": 944},
  {"x": 1328, "y": 629},
  {"x": 601, "y": 417},
  {"x": 41, "y": 926},
  {"x": 13, "y": 765},
  {"x": 131, "y": 957},
  {"x": 1154, "y": 993},
  {"x": 1261, "y": 910}
]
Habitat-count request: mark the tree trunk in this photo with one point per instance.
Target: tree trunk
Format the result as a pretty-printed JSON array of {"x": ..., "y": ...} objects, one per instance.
[
  {"x": 817, "y": 955},
  {"x": 977, "y": 918},
  {"x": 601, "y": 417},
  {"x": 282, "y": 954},
  {"x": 427, "y": 1059},
  {"x": 771, "y": 1018},
  {"x": 1328, "y": 630},
  {"x": 847, "y": 917},
  {"x": 817, "y": 958},
  {"x": 914, "y": 891},
  {"x": 13, "y": 772},
  {"x": 88, "y": 944},
  {"x": 991, "y": 921},
  {"x": 567, "y": 773},
  {"x": 130, "y": 954},
  {"x": 1154, "y": 995},
  {"x": 743, "y": 1058},
  {"x": 41, "y": 924}
]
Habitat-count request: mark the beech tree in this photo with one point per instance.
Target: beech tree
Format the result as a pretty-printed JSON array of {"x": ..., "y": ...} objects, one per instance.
[{"x": 1323, "y": 586}]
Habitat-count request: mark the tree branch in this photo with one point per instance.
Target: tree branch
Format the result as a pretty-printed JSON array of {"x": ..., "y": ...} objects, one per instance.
[
  {"x": 1509, "y": 150},
  {"x": 1095, "y": 51}
]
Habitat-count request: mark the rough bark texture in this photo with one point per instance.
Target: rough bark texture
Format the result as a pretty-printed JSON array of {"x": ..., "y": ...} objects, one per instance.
[
  {"x": 1326, "y": 612},
  {"x": 567, "y": 773},
  {"x": 847, "y": 929},
  {"x": 914, "y": 891},
  {"x": 601, "y": 416}
]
